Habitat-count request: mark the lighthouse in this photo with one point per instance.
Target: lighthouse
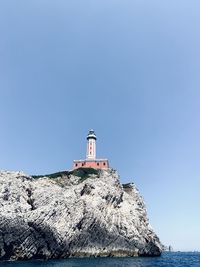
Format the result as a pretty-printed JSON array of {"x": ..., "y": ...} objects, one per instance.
[
  {"x": 91, "y": 145},
  {"x": 91, "y": 161}
]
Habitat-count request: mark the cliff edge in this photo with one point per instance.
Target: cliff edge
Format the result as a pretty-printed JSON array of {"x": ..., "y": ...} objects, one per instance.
[{"x": 72, "y": 214}]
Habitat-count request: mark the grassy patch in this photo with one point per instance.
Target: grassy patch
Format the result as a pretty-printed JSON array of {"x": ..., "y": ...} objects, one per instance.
[
  {"x": 129, "y": 185},
  {"x": 84, "y": 173},
  {"x": 52, "y": 176}
]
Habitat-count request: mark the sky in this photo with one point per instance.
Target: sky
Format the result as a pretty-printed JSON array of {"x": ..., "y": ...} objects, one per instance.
[{"x": 128, "y": 69}]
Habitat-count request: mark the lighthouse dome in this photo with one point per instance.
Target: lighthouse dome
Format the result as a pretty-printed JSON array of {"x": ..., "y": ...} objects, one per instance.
[{"x": 91, "y": 134}]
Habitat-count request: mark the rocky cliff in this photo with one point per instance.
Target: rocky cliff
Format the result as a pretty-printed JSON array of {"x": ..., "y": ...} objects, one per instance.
[{"x": 72, "y": 214}]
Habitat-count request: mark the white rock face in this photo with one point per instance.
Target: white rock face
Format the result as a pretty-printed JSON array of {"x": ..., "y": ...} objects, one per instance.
[{"x": 72, "y": 217}]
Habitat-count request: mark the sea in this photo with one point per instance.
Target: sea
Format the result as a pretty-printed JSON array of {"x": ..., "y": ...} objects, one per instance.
[{"x": 168, "y": 259}]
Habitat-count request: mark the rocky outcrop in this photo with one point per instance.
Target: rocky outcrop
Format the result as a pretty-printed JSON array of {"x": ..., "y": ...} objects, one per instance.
[{"x": 72, "y": 215}]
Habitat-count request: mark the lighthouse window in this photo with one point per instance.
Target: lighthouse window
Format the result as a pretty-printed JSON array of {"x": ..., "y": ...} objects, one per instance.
[
  {"x": 97, "y": 163},
  {"x": 76, "y": 164},
  {"x": 104, "y": 163},
  {"x": 82, "y": 164}
]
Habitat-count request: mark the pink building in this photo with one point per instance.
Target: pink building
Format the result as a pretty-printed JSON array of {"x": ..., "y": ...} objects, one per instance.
[{"x": 91, "y": 161}]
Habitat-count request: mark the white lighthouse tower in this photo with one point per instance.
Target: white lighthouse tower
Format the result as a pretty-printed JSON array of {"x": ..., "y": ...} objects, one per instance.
[{"x": 91, "y": 145}]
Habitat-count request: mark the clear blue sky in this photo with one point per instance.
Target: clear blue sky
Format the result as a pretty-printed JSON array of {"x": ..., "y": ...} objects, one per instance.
[{"x": 129, "y": 69}]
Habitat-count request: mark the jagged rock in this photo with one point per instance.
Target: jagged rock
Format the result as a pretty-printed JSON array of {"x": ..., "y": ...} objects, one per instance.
[{"x": 70, "y": 216}]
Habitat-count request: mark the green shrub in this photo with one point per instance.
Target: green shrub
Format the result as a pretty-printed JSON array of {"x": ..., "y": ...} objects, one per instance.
[
  {"x": 84, "y": 173},
  {"x": 52, "y": 176},
  {"x": 129, "y": 185}
]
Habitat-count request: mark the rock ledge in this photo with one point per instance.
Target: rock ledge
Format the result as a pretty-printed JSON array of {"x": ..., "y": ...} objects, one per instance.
[{"x": 72, "y": 215}]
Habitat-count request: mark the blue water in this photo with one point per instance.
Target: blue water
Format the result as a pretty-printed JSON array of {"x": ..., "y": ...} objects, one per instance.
[{"x": 179, "y": 259}]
